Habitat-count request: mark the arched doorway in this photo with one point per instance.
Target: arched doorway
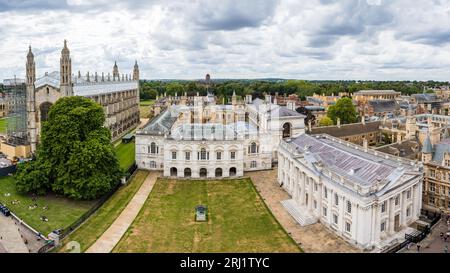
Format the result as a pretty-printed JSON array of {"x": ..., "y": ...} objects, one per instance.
[
  {"x": 187, "y": 172},
  {"x": 173, "y": 171},
  {"x": 218, "y": 172},
  {"x": 232, "y": 171},
  {"x": 203, "y": 172},
  {"x": 287, "y": 130},
  {"x": 44, "y": 108}
]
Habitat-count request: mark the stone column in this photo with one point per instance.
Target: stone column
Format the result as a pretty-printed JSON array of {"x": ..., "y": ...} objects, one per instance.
[
  {"x": 301, "y": 184},
  {"x": 403, "y": 209},
  {"x": 311, "y": 193},
  {"x": 391, "y": 207}
]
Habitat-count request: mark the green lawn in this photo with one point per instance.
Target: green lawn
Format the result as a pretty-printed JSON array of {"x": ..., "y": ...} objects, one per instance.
[
  {"x": 126, "y": 154},
  {"x": 144, "y": 108},
  {"x": 3, "y": 125},
  {"x": 61, "y": 212},
  {"x": 99, "y": 222},
  {"x": 146, "y": 102},
  {"x": 238, "y": 220}
]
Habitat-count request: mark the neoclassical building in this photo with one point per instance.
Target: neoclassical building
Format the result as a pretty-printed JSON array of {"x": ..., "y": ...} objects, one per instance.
[
  {"x": 117, "y": 94},
  {"x": 366, "y": 197},
  {"x": 206, "y": 140}
]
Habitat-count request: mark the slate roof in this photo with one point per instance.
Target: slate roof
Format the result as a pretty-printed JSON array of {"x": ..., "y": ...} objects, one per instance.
[
  {"x": 440, "y": 149},
  {"x": 84, "y": 88},
  {"x": 161, "y": 124},
  {"x": 281, "y": 111},
  {"x": 348, "y": 129},
  {"x": 406, "y": 149},
  {"x": 315, "y": 108},
  {"x": 360, "y": 167},
  {"x": 425, "y": 97},
  {"x": 427, "y": 147},
  {"x": 275, "y": 110},
  {"x": 377, "y": 92},
  {"x": 380, "y": 106}
]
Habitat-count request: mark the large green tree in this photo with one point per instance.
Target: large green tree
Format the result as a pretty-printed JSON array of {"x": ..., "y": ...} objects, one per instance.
[
  {"x": 344, "y": 110},
  {"x": 75, "y": 157}
]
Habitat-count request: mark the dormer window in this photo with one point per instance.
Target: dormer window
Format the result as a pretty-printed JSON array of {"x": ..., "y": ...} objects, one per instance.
[{"x": 447, "y": 163}]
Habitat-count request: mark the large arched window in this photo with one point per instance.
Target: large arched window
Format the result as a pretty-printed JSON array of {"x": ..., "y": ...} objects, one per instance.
[
  {"x": 45, "y": 108},
  {"x": 203, "y": 172},
  {"x": 253, "y": 149},
  {"x": 173, "y": 171},
  {"x": 153, "y": 148},
  {"x": 187, "y": 172},
  {"x": 287, "y": 130}
]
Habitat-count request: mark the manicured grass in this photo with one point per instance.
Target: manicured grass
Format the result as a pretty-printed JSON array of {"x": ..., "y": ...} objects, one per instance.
[
  {"x": 3, "y": 125},
  {"x": 61, "y": 212},
  {"x": 99, "y": 222},
  {"x": 126, "y": 154},
  {"x": 238, "y": 220},
  {"x": 144, "y": 108},
  {"x": 146, "y": 102}
]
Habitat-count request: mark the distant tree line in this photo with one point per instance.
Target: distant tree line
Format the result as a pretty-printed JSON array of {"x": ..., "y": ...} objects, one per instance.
[{"x": 257, "y": 88}]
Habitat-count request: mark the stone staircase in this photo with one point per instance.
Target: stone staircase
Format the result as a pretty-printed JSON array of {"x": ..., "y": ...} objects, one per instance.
[{"x": 299, "y": 213}]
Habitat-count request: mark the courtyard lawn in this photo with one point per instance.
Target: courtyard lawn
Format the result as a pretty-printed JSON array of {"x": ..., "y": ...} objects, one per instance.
[
  {"x": 125, "y": 154},
  {"x": 3, "y": 125},
  {"x": 146, "y": 102},
  {"x": 61, "y": 212},
  {"x": 238, "y": 220},
  {"x": 144, "y": 108},
  {"x": 99, "y": 222}
]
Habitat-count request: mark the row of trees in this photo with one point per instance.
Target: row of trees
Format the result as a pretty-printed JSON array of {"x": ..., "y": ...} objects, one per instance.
[{"x": 225, "y": 88}]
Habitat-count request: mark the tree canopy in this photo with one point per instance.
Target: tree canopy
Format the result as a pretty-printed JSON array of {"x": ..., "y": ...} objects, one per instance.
[
  {"x": 325, "y": 121},
  {"x": 75, "y": 157},
  {"x": 344, "y": 110},
  {"x": 301, "y": 88}
]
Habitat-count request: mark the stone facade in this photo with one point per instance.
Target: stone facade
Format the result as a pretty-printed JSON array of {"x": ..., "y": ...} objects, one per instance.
[
  {"x": 366, "y": 197},
  {"x": 436, "y": 187},
  {"x": 368, "y": 95},
  {"x": 118, "y": 96},
  {"x": 205, "y": 140}
]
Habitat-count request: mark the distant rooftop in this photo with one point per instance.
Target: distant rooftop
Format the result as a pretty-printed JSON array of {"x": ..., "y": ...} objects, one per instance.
[
  {"x": 348, "y": 129},
  {"x": 83, "y": 87},
  {"x": 13, "y": 82},
  {"x": 377, "y": 92}
]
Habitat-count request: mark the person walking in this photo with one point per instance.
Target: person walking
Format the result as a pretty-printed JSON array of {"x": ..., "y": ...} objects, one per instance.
[
  {"x": 445, "y": 249},
  {"x": 418, "y": 247}
]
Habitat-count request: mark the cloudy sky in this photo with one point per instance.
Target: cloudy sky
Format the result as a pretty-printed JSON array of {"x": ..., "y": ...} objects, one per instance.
[{"x": 299, "y": 39}]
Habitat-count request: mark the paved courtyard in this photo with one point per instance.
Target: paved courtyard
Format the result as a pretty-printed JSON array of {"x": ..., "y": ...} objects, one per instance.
[
  {"x": 313, "y": 238},
  {"x": 13, "y": 237},
  {"x": 433, "y": 242}
]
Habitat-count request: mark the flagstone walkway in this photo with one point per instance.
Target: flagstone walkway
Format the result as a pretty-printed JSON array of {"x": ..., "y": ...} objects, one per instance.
[
  {"x": 114, "y": 233},
  {"x": 11, "y": 240}
]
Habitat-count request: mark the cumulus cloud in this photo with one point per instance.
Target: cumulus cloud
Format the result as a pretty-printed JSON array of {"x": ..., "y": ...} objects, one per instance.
[{"x": 314, "y": 39}]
